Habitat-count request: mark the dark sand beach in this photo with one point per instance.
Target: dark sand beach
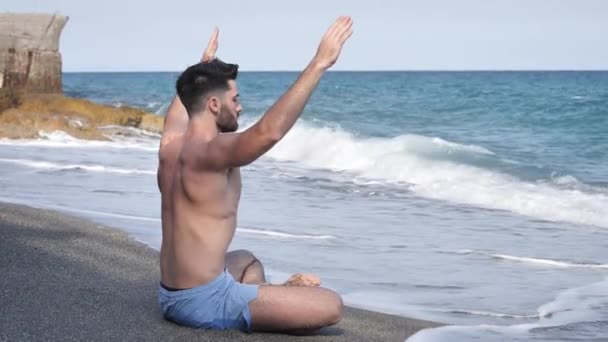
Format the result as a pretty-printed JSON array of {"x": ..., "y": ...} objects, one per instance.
[{"x": 66, "y": 278}]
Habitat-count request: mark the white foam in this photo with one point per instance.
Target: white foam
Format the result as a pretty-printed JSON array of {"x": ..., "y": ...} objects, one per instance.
[
  {"x": 132, "y": 130},
  {"x": 548, "y": 262},
  {"x": 489, "y": 314},
  {"x": 450, "y": 147},
  {"x": 59, "y": 136},
  {"x": 60, "y": 139},
  {"x": 284, "y": 235},
  {"x": 528, "y": 260},
  {"x": 459, "y": 251},
  {"x": 392, "y": 303},
  {"x": 67, "y": 167},
  {"x": 103, "y": 214},
  {"x": 162, "y": 110},
  {"x": 153, "y": 104},
  {"x": 430, "y": 166},
  {"x": 584, "y": 304},
  {"x": 566, "y": 180}
]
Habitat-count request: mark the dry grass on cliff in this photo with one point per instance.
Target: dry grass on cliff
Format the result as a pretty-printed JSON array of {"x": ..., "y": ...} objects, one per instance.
[{"x": 77, "y": 117}]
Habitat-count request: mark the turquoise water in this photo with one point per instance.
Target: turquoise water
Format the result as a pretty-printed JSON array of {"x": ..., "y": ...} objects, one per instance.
[{"x": 472, "y": 198}]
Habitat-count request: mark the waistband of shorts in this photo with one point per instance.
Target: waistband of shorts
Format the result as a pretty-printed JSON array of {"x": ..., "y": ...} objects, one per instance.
[{"x": 221, "y": 278}]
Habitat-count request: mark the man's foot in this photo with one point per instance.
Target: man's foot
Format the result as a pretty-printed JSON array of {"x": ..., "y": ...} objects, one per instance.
[{"x": 303, "y": 279}]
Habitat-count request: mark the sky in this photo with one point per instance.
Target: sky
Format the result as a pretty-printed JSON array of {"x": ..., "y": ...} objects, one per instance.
[{"x": 136, "y": 35}]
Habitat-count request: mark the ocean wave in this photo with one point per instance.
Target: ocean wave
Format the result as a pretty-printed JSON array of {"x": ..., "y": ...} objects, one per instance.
[
  {"x": 279, "y": 234},
  {"x": 488, "y": 313},
  {"x": 244, "y": 230},
  {"x": 587, "y": 304},
  {"x": 429, "y": 167},
  {"x": 548, "y": 262},
  {"x": 565, "y": 180},
  {"x": 442, "y": 170},
  {"x": 162, "y": 109},
  {"x": 389, "y": 303},
  {"x": 130, "y": 131},
  {"x": 528, "y": 260},
  {"x": 60, "y": 139},
  {"x": 458, "y": 252},
  {"x": 43, "y": 165}
]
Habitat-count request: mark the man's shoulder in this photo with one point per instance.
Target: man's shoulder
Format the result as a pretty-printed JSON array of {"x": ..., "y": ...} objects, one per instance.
[
  {"x": 205, "y": 152},
  {"x": 195, "y": 154},
  {"x": 170, "y": 144}
]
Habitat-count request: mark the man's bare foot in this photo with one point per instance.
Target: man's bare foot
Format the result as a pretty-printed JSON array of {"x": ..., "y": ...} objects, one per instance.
[{"x": 303, "y": 279}]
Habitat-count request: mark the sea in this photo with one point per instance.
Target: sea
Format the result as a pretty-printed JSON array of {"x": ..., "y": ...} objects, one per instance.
[{"x": 475, "y": 199}]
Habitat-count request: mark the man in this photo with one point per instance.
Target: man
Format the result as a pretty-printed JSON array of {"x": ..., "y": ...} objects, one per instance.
[{"x": 199, "y": 179}]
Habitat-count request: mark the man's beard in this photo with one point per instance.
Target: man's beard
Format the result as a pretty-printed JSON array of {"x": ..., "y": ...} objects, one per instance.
[
  {"x": 226, "y": 124},
  {"x": 225, "y": 129}
]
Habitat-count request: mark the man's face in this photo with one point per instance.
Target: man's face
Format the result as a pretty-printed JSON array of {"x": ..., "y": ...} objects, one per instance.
[{"x": 227, "y": 120}]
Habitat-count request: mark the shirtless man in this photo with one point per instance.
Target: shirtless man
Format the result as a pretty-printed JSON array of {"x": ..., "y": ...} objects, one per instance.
[{"x": 201, "y": 285}]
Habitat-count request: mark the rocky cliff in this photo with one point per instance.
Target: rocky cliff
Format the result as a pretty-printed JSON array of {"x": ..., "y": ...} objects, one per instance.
[{"x": 29, "y": 51}]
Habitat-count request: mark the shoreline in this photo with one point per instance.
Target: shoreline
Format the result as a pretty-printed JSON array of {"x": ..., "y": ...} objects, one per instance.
[{"x": 73, "y": 279}]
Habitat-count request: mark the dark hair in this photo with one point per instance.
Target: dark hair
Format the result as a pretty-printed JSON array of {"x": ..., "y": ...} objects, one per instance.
[{"x": 202, "y": 78}]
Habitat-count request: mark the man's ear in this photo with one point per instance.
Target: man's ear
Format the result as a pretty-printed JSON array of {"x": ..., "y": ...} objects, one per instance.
[{"x": 214, "y": 105}]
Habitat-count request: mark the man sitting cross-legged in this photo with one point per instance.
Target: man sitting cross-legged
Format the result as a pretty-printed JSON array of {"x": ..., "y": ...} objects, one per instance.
[{"x": 202, "y": 285}]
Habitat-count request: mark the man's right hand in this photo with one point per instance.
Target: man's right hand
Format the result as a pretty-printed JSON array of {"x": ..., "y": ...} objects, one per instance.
[
  {"x": 303, "y": 279},
  {"x": 332, "y": 42}
]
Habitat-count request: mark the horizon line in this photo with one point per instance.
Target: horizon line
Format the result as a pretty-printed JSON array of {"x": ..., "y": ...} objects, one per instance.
[{"x": 355, "y": 70}]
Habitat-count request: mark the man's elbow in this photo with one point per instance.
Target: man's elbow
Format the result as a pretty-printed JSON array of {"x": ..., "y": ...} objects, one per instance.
[
  {"x": 273, "y": 138},
  {"x": 268, "y": 136}
]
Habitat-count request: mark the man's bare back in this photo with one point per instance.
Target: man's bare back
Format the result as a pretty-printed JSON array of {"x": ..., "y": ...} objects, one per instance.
[
  {"x": 199, "y": 217},
  {"x": 200, "y": 182}
]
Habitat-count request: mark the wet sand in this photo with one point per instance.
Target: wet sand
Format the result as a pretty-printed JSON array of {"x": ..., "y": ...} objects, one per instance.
[{"x": 65, "y": 278}]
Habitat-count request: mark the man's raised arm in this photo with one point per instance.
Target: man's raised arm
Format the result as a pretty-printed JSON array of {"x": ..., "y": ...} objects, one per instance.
[
  {"x": 239, "y": 149},
  {"x": 176, "y": 118}
]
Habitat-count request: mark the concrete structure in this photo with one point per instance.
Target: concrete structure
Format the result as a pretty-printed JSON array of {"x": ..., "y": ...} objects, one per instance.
[{"x": 29, "y": 52}]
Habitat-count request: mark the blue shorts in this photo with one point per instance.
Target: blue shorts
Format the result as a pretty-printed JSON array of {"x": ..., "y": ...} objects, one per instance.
[{"x": 221, "y": 304}]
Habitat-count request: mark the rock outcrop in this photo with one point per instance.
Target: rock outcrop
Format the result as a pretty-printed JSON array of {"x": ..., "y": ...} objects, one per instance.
[
  {"x": 79, "y": 118},
  {"x": 31, "y": 97},
  {"x": 29, "y": 51}
]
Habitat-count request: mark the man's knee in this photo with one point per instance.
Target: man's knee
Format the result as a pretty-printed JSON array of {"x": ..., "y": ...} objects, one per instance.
[
  {"x": 248, "y": 260},
  {"x": 245, "y": 267},
  {"x": 240, "y": 259},
  {"x": 254, "y": 273},
  {"x": 335, "y": 308},
  {"x": 332, "y": 308},
  {"x": 243, "y": 255}
]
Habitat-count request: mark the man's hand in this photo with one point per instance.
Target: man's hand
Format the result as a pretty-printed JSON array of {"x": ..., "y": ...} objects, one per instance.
[
  {"x": 211, "y": 49},
  {"x": 303, "y": 279},
  {"x": 240, "y": 149},
  {"x": 332, "y": 42},
  {"x": 176, "y": 119}
]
